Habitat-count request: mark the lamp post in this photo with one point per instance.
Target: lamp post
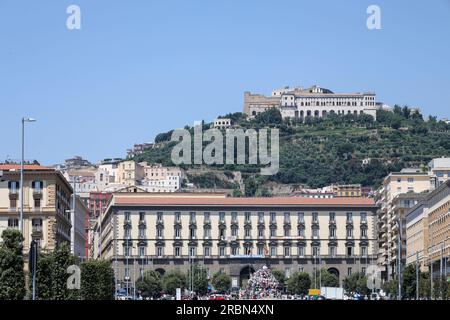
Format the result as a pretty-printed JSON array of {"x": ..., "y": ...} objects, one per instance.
[{"x": 24, "y": 120}]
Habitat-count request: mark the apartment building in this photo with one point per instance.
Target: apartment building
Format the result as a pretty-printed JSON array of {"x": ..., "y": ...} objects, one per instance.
[
  {"x": 78, "y": 231},
  {"x": 439, "y": 171},
  {"x": 392, "y": 211},
  {"x": 46, "y": 204},
  {"x": 428, "y": 231},
  {"x": 315, "y": 101},
  {"x": 236, "y": 235}
]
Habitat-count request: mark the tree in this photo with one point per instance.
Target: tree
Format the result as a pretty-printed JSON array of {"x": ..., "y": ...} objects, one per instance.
[
  {"x": 44, "y": 283},
  {"x": 200, "y": 279},
  {"x": 150, "y": 284},
  {"x": 327, "y": 279},
  {"x": 409, "y": 281},
  {"x": 97, "y": 280},
  {"x": 62, "y": 259},
  {"x": 12, "y": 277},
  {"x": 281, "y": 278},
  {"x": 221, "y": 282},
  {"x": 299, "y": 283},
  {"x": 173, "y": 280},
  {"x": 356, "y": 282},
  {"x": 271, "y": 116}
]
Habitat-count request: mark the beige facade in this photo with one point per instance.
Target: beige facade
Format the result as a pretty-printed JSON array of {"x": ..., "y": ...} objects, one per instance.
[
  {"x": 47, "y": 205},
  {"x": 142, "y": 231},
  {"x": 417, "y": 236},
  {"x": 310, "y": 102}
]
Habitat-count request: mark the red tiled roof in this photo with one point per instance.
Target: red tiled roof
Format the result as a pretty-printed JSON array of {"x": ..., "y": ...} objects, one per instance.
[
  {"x": 16, "y": 167},
  {"x": 275, "y": 201}
]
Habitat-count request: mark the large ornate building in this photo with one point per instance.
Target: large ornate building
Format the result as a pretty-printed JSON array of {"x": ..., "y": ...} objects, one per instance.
[
  {"x": 141, "y": 231},
  {"x": 310, "y": 102}
]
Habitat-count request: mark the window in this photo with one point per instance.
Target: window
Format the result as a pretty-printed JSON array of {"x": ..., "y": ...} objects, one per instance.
[
  {"x": 301, "y": 231},
  {"x": 177, "y": 233},
  {"x": 301, "y": 217},
  {"x": 349, "y": 216},
  {"x": 207, "y": 251},
  {"x": 247, "y": 216},
  {"x": 260, "y": 217},
  {"x": 234, "y": 232},
  {"x": 127, "y": 233},
  {"x": 315, "y": 250},
  {"x": 247, "y": 233},
  {"x": 37, "y": 186},
  {"x": 332, "y": 216},
  {"x": 127, "y": 216},
  {"x": 141, "y": 251},
  {"x": 260, "y": 250},
  {"x": 222, "y": 251},
  {"x": 159, "y": 216},
  {"x": 177, "y": 251},
  {"x": 332, "y": 251},
  {"x": 222, "y": 216},
  {"x": 260, "y": 233},
  {"x": 273, "y": 232},
  {"x": 178, "y": 216},
  {"x": 273, "y": 251},
  {"x": 363, "y": 217},
  {"x": 332, "y": 232},
  {"x": 363, "y": 270},
  {"x": 159, "y": 251},
  {"x": 142, "y": 233},
  {"x": 287, "y": 217},
  {"x": 349, "y": 271},
  {"x": 141, "y": 216},
  {"x": 37, "y": 203},
  {"x": 192, "y": 216},
  {"x": 222, "y": 233},
  {"x": 363, "y": 232},
  {"x": 410, "y": 180},
  {"x": 13, "y": 186},
  {"x": 301, "y": 251},
  {"x": 234, "y": 251},
  {"x": 315, "y": 217},
  {"x": 206, "y": 216},
  {"x": 315, "y": 233},
  {"x": 272, "y": 217},
  {"x": 349, "y": 232},
  {"x": 13, "y": 223},
  {"x": 363, "y": 251},
  {"x": 349, "y": 251},
  {"x": 207, "y": 232},
  {"x": 192, "y": 233},
  {"x": 233, "y": 216},
  {"x": 287, "y": 232},
  {"x": 287, "y": 251}
]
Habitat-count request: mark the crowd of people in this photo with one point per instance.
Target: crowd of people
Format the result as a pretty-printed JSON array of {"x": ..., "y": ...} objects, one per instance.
[{"x": 262, "y": 284}]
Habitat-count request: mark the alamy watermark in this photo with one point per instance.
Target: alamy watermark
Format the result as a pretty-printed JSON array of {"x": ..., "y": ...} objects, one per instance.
[
  {"x": 374, "y": 19},
  {"x": 241, "y": 147},
  {"x": 73, "y": 21}
]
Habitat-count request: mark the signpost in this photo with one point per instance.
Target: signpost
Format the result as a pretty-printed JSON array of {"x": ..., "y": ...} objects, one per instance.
[{"x": 32, "y": 263}]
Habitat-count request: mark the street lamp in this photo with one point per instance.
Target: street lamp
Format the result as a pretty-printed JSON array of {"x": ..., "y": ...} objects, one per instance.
[{"x": 24, "y": 120}]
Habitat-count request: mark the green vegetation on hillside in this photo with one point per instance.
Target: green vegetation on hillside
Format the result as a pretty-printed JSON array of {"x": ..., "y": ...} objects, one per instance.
[{"x": 322, "y": 151}]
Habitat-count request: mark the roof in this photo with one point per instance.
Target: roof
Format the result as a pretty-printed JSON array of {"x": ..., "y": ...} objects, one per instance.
[
  {"x": 216, "y": 201},
  {"x": 30, "y": 167}
]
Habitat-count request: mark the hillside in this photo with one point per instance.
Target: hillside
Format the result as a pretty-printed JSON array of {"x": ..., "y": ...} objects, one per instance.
[{"x": 320, "y": 152}]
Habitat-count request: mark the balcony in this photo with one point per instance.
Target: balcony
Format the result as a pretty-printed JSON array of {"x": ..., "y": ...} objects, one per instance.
[
  {"x": 332, "y": 222},
  {"x": 142, "y": 223},
  {"x": 127, "y": 223},
  {"x": 349, "y": 221},
  {"x": 37, "y": 193}
]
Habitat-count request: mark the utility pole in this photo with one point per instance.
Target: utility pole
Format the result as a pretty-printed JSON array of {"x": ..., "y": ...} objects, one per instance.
[
  {"x": 399, "y": 258},
  {"x": 417, "y": 275},
  {"x": 24, "y": 120}
]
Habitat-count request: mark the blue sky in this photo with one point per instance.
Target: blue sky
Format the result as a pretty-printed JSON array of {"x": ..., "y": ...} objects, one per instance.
[{"x": 137, "y": 68}]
